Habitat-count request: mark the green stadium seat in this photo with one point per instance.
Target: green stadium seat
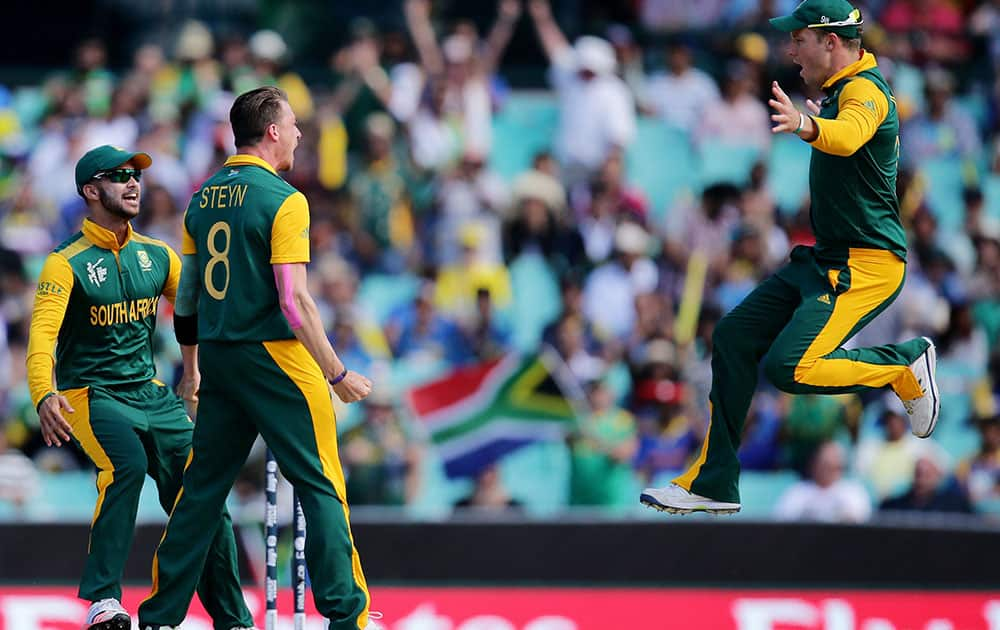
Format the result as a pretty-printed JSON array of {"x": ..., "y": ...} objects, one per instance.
[
  {"x": 788, "y": 172},
  {"x": 944, "y": 179},
  {"x": 661, "y": 163},
  {"x": 991, "y": 195},
  {"x": 537, "y": 301},
  {"x": 381, "y": 294},
  {"x": 525, "y": 126},
  {"x": 726, "y": 162}
]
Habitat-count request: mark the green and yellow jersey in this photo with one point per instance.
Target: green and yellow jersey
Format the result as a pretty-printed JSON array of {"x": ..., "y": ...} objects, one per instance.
[
  {"x": 95, "y": 310},
  {"x": 852, "y": 173},
  {"x": 241, "y": 221}
]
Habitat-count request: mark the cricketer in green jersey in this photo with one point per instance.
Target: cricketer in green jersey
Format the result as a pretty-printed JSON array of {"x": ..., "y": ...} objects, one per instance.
[
  {"x": 94, "y": 318},
  {"x": 267, "y": 368},
  {"x": 801, "y": 316}
]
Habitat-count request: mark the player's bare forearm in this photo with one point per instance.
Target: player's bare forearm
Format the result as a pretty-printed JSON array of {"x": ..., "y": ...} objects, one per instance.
[
  {"x": 313, "y": 337},
  {"x": 303, "y": 316}
]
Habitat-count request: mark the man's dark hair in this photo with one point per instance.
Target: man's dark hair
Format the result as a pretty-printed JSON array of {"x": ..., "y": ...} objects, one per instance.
[{"x": 253, "y": 112}]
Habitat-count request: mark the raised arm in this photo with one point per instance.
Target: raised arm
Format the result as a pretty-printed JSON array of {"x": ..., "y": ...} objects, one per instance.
[
  {"x": 418, "y": 21},
  {"x": 508, "y": 12},
  {"x": 549, "y": 33}
]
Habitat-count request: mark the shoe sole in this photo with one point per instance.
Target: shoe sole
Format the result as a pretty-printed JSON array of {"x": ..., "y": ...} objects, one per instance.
[
  {"x": 649, "y": 501},
  {"x": 935, "y": 398},
  {"x": 121, "y": 621}
]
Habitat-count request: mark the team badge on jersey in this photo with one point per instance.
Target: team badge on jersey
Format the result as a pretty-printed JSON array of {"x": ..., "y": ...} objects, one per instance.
[{"x": 144, "y": 260}]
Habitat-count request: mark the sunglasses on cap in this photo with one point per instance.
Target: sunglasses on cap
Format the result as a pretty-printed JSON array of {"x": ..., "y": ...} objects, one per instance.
[{"x": 119, "y": 175}]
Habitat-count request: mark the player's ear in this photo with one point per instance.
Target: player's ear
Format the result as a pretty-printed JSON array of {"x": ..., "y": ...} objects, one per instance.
[
  {"x": 272, "y": 131},
  {"x": 91, "y": 192}
]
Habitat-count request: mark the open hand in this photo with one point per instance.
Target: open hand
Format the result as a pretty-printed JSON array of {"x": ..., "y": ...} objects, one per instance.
[
  {"x": 786, "y": 117},
  {"x": 55, "y": 429}
]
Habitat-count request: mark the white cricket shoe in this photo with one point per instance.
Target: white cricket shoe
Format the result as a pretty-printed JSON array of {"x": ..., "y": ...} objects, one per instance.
[
  {"x": 924, "y": 411},
  {"x": 372, "y": 624},
  {"x": 677, "y": 500},
  {"x": 108, "y": 614}
]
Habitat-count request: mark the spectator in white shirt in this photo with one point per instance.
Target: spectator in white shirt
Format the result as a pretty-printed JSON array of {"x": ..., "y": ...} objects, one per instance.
[
  {"x": 826, "y": 496},
  {"x": 597, "y": 112},
  {"x": 610, "y": 290},
  {"x": 679, "y": 95}
]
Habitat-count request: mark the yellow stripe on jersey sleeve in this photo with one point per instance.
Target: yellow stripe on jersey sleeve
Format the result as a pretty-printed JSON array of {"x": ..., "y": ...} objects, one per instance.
[
  {"x": 187, "y": 243},
  {"x": 173, "y": 276},
  {"x": 51, "y": 299},
  {"x": 861, "y": 109},
  {"x": 290, "y": 231}
]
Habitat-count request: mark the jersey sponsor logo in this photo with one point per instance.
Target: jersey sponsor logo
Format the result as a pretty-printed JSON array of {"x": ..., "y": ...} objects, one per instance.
[
  {"x": 144, "y": 262},
  {"x": 825, "y": 298},
  {"x": 124, "y": 312},
  {"x": 96, "y": 272},
  {"x": 48, "y": 288},
  {"x": 870, "y": 104},
  {"x": 233, "y": 171},
  {"x": 223, "y": 196}
]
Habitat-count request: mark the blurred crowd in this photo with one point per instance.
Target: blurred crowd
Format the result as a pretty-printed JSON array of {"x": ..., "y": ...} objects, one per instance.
[{"x": 424, "y": 254}]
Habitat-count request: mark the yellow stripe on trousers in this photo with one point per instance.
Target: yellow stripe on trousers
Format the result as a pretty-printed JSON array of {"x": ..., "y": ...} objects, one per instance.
[
  {"x": 156, "y": 554},
  {"x": 296, "y": 362},
  {"x": 875, "y": 276},
  {"x": 688, "y": 478},
  {"x": 79, "y": 421}
]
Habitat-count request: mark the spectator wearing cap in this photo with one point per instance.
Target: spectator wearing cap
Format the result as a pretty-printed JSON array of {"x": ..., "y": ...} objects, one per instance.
[
  {"x": 597, "y": 112},
  {"x": 269, "y": 54},
  {"x": 679, "y": 95},
  {"x": 538, "y": 223},
  {"x": 932, "y": 490},
  {"x": 667, "y": 431},
  {"x": 610, "y": 290}
]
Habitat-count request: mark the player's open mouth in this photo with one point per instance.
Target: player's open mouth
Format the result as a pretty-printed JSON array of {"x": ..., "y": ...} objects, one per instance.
[{"x": 131, "y": 197}]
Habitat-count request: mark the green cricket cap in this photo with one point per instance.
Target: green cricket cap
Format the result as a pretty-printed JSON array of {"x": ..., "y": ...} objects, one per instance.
[
  {"x": 104, "y": 158},
  {"x": 836, "y": 16}
]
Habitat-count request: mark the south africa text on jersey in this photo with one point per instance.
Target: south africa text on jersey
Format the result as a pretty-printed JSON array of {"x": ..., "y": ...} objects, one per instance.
[
  {"x": 223, "y": 196},
  {"x": 123, "y": 312}
]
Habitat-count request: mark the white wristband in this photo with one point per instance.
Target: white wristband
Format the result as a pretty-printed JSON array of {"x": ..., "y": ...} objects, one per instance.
[{"x": 802, "y": 123}]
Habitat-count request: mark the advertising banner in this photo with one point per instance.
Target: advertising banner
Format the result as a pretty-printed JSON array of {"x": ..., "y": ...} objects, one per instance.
[{"x": 502, "y": 608}]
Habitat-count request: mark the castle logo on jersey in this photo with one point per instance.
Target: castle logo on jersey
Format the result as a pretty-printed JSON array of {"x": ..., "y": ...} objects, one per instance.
[
  {"x": 97, "y": 273},
  {"x": 144, "y": 262}
]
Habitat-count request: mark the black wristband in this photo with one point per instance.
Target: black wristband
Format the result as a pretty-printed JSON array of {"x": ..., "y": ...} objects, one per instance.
[
  {"x": 339, "y": 377},
  {"x": 186, "y": 329}
]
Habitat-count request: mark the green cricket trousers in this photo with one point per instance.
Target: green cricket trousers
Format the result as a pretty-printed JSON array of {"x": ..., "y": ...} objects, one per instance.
[
  {"x": 800, "y": 317},
  {"x": 275, "y": 389},
  {"x": 129, "y": 431}
]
